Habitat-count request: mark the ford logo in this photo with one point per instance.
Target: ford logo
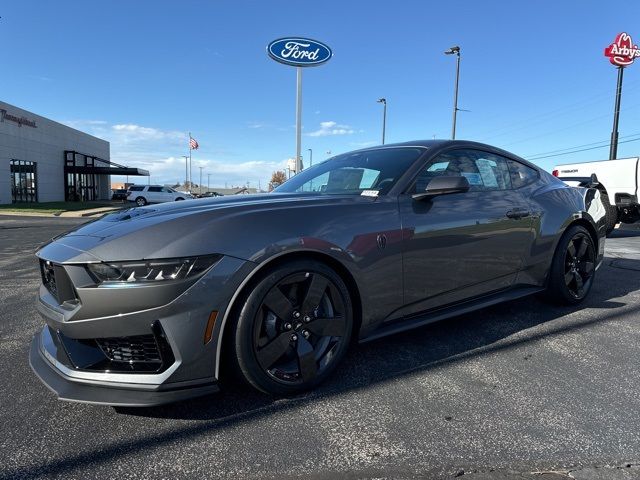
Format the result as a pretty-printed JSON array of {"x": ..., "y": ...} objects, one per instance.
[{"x": 299, "y": 52}]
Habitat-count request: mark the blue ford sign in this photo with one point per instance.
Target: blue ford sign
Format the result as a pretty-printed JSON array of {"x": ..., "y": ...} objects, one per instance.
[{"x": 299, "y": 52}]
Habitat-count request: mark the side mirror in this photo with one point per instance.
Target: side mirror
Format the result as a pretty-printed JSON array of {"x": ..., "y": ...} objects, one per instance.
[{"x": 443, "y": 186}]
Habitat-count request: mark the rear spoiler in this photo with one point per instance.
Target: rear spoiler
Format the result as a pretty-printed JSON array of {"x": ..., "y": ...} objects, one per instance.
[{"x": 586, "y": 182}]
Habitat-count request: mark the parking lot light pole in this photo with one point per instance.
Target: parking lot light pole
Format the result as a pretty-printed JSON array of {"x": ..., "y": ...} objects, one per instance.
[
  {"x": 208, "y": 181},
  {"x": 383, "y": 101},
  {"x": 200, "y": 179},
  {"x": 455, "y": 51}
]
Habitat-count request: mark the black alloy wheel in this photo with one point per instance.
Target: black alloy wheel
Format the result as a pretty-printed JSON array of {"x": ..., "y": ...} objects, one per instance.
[
  {"x": 573, "y": 268},
  {"x": 294, "y": 328},
  {"x": 579, "y": 265}
]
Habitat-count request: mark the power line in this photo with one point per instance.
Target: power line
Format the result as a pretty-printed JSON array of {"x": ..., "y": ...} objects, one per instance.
[
  {"x": 580, "y": 146},
  {"x": 581, "y": 150},
  {"x": 539, "y": 118}
]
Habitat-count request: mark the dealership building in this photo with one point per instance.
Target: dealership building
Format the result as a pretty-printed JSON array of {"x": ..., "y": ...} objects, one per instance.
[{"x": 44, "y": 161}]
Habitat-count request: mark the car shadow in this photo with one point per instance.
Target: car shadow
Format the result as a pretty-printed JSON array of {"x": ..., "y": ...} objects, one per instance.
[
  {"x": 492, "y": 329},
  {"x": 389, "y": 358}
]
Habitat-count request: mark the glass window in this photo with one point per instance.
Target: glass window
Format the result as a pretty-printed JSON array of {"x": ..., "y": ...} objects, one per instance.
[
  {"x": 155, "y": 189},
  {"x": 521, "y": 175},
  {"x": 24, "y": 186},
  {"x": 136, "y": 188},
  {"x": 352, "y": 173},
  {"x": 484, "y": 171}
]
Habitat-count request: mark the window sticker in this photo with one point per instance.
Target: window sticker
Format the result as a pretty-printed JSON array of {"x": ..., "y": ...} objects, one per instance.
[
  {"x": 486, "y": 172},
  {"x": 369, "y": 193},
  {"x": 472, "y": 178}
]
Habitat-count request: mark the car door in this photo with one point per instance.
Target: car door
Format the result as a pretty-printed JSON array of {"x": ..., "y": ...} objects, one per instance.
[
  {"x": 154, "y": 194},
  {"x": 462, "y": 245}
]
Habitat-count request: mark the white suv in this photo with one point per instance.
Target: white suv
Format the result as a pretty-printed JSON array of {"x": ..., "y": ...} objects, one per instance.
[{"x": 144, "y": 194}]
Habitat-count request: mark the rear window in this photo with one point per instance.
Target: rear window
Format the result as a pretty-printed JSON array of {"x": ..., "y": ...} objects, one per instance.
[
  {"x": 521, "y": 175},
  {"x": 136, "y": 188}
]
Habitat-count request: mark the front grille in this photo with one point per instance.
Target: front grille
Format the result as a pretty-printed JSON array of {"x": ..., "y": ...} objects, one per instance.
[
  {"x": 57, "y": 282},
  {"x": 49, "y": 277},
  {"x": 140, "y": 348}
]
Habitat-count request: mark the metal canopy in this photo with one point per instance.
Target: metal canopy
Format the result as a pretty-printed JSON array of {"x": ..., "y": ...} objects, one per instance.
[{"x": 107, "y": 170}]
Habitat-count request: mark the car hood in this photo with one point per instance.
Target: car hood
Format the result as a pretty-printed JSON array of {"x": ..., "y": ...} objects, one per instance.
[{"x": 176, "y": 229}]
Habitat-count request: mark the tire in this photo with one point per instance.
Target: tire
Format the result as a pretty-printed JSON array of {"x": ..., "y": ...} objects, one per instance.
[
  {"x": 293, "y": 329},
  {"x": 611, "y": 212},
  {"x": 141, "y": 201},
  {"x": 573, "y": 267}
]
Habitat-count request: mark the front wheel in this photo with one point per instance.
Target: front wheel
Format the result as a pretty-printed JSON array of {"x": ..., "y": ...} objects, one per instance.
[
  {"x": 573, "y": 267},
  {"x": 294, "y": 328},
  {"x": 141, "y": 201}
]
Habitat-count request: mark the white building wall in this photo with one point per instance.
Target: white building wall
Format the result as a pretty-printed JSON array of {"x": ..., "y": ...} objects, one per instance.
[{"x": 45, "y": 144}]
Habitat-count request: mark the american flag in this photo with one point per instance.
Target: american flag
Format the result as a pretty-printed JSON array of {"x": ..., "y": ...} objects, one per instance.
[{"x": 193, "y": 144}]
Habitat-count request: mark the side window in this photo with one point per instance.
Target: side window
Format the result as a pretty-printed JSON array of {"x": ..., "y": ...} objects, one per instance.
[
  {"x": 521, "y": 175},
  {"x": 155, "y": 189},
  {"x": 136, "y": 189},
  {"x": 484, "y": 171}
]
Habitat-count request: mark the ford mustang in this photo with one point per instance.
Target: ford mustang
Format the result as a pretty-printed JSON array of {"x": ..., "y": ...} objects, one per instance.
[{"x": 149, "y": 305}]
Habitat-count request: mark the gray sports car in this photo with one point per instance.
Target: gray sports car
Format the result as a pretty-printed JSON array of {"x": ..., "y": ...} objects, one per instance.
[{"x": 149, "y": 305}]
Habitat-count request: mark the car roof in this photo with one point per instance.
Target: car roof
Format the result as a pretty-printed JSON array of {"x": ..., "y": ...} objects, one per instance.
[{"x": 444, "y": 144}]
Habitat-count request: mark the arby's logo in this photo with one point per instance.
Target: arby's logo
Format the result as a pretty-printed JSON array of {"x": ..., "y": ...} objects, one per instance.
[{"x": 622, "y": 52}]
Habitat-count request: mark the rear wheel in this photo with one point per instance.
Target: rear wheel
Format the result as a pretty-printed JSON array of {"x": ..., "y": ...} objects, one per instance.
[
  {"x": 611, "y": 212},
  {"x": 141, "y": 201},
  {"x": 573, "y": 267},
  {"x": 294, "y": 328}
]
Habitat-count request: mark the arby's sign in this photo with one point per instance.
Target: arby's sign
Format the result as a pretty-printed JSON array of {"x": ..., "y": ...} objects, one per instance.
[{"x": 622, "y": 52}]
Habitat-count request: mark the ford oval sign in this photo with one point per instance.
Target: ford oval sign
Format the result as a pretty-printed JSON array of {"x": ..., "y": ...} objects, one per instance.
[{"x": 299, "y": 52}]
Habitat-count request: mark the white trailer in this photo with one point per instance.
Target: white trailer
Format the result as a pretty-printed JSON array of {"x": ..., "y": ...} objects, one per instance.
[{"x": 617, "y": 181}]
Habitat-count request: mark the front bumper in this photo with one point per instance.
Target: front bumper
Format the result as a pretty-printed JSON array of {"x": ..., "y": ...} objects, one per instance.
[
  {"x": 108, "y": 393},
  {"x": 113, "y": 314}
]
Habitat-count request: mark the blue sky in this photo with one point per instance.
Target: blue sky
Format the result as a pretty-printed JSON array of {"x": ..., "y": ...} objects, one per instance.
[{"x": 142, "y": 74}]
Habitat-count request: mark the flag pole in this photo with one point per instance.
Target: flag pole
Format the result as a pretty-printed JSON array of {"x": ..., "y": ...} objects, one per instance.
[{"x": 190, "y": 177}]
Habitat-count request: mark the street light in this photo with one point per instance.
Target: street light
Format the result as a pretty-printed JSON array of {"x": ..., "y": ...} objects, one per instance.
[
  {"x": 383, "y": 101},
  {"x": 310, "y": 156},
  {"x": 208, "y": 178},
  {"x": 455, "y": 51},
  {"x": 200, "y": 179}
]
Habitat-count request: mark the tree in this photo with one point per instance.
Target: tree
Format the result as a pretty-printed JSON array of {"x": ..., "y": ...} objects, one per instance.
[{"x": 277, "y": 178}]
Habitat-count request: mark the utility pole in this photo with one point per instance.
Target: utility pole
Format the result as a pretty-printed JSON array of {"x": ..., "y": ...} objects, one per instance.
[
  {"x": 200, "y": 179},
  {"x": 455, "y": 51}
]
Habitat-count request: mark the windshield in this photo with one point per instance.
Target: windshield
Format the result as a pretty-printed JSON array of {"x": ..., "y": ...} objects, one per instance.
[{"x": 353, "y": 173}]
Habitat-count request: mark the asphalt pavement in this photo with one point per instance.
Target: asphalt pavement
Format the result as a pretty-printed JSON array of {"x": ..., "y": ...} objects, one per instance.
[{"x": 519, "y": 390}]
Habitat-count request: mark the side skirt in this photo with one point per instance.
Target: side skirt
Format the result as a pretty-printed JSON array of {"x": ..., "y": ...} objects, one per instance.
[{"x": 450, "y": 311}]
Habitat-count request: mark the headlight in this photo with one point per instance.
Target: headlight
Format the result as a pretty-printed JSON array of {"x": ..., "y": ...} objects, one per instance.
[{"x": 152, "y": 271}]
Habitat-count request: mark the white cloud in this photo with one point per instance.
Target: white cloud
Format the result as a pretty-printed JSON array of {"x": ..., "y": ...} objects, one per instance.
[
  {"x": 331, "y": 128},
  {"x": 158, "y": 150}
]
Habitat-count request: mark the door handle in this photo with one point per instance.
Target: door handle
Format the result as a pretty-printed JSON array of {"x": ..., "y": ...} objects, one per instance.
[{"x": 518, "y": 213}]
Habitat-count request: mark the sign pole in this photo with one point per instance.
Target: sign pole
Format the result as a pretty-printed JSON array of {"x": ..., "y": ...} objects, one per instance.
[
  {"x": 298, "y": 120},
  {"x": 613, "y": 150}
]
